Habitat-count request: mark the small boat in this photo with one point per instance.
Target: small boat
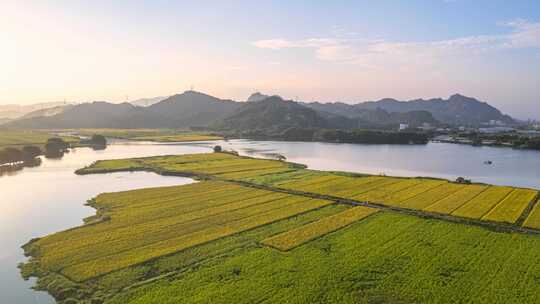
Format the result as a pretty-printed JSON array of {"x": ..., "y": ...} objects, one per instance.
[{"x": 488, "y": 162}]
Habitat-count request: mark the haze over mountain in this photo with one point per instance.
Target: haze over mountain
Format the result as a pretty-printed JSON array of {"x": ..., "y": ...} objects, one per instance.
[
  {"x": 145, "y": 102},
  {"x": 195, "y": 109},
  {"x": 13, "y": 111},
  {"x": 178, "y": 111}
]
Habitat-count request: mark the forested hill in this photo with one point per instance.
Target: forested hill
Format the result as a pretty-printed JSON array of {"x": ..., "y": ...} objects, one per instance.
[
  {"x": 195, "y": 109},
  {"x": 456, "y": 110},
  {"x": 179, "y": 111}
]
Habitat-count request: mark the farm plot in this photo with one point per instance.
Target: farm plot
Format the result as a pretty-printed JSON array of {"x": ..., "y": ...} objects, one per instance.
[
  {"x": 378, "y": 195},
  {"x": 509, "y": 209},
  {"x": 408, "y": 193},
  {"x": 533, "y": 220},
  {"x": 224, "y": 165},
  {"x": 341, "y": 184},
  {"x": 358, "y": 188},
  {"x": 388, "y": 257},
  {"x": 450, "y": 203},
  {"x": 431, "y": 196},
  {"x": 296, "y": 237},
  {"x": 482, "y": 204},
  {"x": 145, "y": 225}
]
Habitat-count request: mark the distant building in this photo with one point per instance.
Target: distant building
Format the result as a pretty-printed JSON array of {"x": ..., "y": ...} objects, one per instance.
[
  {"x": 403, "y": 127},
  {"x": 496, "y": 130}
]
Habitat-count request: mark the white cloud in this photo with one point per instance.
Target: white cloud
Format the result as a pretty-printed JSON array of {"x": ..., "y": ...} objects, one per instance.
[
  {"x": 525, "y": 35},
  {"x": 377, "y": 52}
]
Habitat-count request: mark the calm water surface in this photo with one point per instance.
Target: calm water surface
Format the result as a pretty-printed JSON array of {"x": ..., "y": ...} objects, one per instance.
[
  {"x": 38, "y": 201},
  {"x": 510, "y": 167}
]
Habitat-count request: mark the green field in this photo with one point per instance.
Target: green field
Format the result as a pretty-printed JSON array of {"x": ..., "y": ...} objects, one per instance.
[
  {"x": 18, "y": 139},
  {"x": 158, "y": 135},
  {"x": 268, "y": 231},
  {"x": 387, "y": 258},
  {"x": 477, "y": 202},
  {"x": 301, "y": 235},
  {"x": 223, "y": 165}
]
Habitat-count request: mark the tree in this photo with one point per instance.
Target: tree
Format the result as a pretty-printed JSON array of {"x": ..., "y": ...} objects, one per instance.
[
  {"x": 55, "y": 147},
  {"x": 31, "y": 152},
  {"x": 217, "y": 149},
  {"x": 99, "y": 140},
  {"x": 10, "y": 155},
  {"x": 462, "y": 180},
  {"x": 280, "y": 157}
]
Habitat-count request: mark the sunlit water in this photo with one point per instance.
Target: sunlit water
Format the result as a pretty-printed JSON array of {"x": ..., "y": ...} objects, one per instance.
[{"x": 42, "y": 200}]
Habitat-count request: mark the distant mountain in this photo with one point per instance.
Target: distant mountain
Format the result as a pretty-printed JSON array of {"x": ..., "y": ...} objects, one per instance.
[
  {"x": 97, "y": 114},
  {"x": 257, "y": 96},
  {"x": 145, "y": 102},
  {"x": 13, "y": 111},
  {"x": 48, "y": 111},
  {"x": 457, "y": 110},
  {"x": 4, "y": 120},
  {"x": 195, "y": 109},
  {"x": 178, "y": 111},
  {"x": 374, "y": 117},
  {"x": 272, "y": 113}
]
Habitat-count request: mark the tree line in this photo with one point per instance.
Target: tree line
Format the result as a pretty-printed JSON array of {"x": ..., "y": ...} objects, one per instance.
[
  {"x": 358, "y": 136},
  {"x": 54, "y": 147}
]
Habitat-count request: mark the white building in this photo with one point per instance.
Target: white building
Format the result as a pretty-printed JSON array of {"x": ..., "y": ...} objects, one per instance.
[{"x": 403, "y": 127}]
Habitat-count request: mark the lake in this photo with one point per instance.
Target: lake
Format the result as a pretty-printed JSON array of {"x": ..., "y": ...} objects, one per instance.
[{"x": 41, "y": 200}]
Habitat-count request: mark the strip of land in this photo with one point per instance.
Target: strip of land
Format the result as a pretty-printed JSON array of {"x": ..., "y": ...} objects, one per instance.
[
  {"x": 156, "y": 135},
  {"x": 217, "y": 238}
]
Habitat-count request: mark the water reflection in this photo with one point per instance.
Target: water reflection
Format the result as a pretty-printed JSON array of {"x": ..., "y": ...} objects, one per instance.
[{"x": 37, "y": 201}]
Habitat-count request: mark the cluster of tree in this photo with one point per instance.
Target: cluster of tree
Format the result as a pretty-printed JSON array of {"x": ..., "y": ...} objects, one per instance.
[
  {"x": 508, "y": 139},
  {"x": 13, "y": 155},
  {"x": 528, "y": 143},
  {"x": 55, "y": 147},
  {"x": 371, "y": 137},
  {"x": 462, "y": 180},
  {"x": 97, "y": 142},
  {"x": 360, "y": 136}
]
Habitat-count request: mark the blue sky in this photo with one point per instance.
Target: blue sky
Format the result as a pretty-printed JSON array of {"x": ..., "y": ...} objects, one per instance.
[{"x": 347, "y": 51}]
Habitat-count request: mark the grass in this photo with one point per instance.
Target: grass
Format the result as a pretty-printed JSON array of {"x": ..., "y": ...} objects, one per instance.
[
  {"x": 218, "y": 164},
  {"x": 179, "y": 137},
  {"x": 386, "y": 258},
  {"x": 301, "y": 235},
  {"x": 18, "y": 139},
  {"x": 157, "y": 135}
]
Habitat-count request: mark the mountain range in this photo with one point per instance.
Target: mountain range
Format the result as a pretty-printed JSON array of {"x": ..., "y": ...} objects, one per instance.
[
  {"x": 14, "y": 111},
  {"x": 262, "y": 112}
]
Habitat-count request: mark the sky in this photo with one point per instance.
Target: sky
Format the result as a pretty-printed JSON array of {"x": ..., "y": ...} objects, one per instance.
[{"x": 349, "y": 51}]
